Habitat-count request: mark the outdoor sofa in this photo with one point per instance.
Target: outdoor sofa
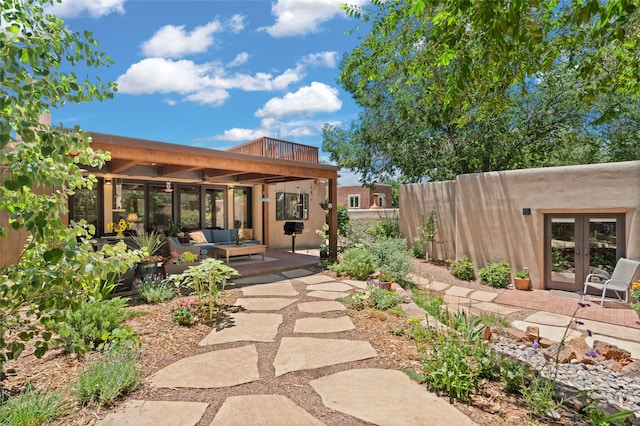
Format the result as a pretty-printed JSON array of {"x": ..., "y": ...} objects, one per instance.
[{"x": 205, "y": 239}]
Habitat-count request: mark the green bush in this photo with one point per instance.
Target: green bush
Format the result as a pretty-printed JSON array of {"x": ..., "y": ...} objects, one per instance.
[
  {"x": 382, "y": 299},
  {"x": 462, "y": 269},
  {"x": 392, "y": 255},
  {"x": 418, "y": 252},
  {"x": 32, "y": 408},
  {"x": 156, "y": 291},
  {"x": 495, "y": 275},
  {"x": 108, "y": 377},
  {"x": 356, "y": 262},
  {"x": 385, "y": 228},
  {"x": 343, "y": 220},
  {"x": 83, "y": 328}
]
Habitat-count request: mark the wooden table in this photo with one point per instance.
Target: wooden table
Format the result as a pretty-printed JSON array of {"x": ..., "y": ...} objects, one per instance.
[{"x": 227, "y": 250}]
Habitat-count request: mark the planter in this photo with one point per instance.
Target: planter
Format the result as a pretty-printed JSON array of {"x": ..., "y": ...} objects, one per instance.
[
  {"x": 522, "y": 283},
  {"x": 178, "y": 268},
  {"x": 147, "y": 269}
]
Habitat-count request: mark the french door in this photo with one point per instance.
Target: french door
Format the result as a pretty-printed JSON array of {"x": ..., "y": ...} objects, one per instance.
[{"x": 576, "y": 244}]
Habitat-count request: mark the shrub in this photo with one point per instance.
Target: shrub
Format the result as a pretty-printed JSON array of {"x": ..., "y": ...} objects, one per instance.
[
  {"x": 108, "y": 377},
  {"x": 462, "y": 269},
  {"x": 185, "y": 313},
  {"x": 357, "y": 262},
  {"x": 383, "y": 299},
  {"x": 83, "y": 328},
  {"x": 32, "y": 408},
  {"x": 343, "y": 220},
  {"x": 392, "y": 256},
  {"x": 418, "y": 252},
  {"x": 355, "y": 300},
  {"x": 155, "y": 291},
  {"x": 495, "y": 275},
  {"x": 385, "y": 228}
]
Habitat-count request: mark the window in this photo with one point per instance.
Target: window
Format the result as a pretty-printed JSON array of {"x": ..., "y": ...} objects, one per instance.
[
  {"x": 214, "y": 209},
  {"x": 381, "y": 199},
  {"x": 190, "y": 207},
  {"x": 354, "y": 201},
  {"x": 291, "y": 206},
  {"x": 241, "y": 208},
  {"x": 84, "y": 205},
  {"x": 160, "y": 208}
]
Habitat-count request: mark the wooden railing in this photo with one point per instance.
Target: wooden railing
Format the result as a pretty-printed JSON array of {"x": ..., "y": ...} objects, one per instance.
[{"x": 276, "y": 148}]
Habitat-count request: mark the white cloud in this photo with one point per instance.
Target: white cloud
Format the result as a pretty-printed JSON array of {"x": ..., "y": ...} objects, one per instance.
[
  {"x": 94, "y": 8},
  {"x": 327, "y": 59},
  {"x": 159, "y": 75},
  {"x": 258, "y": 81},
  {"x": 292, "y": 129},
  {"x": 213, "y": 97},
  {"x": 299, "y": 17},
  {"x": 241, "y": 58},
  {"x": 236, "y": 23},
  {"x": 318, "y": 97},
  {"x": 174, "y": 42},
  {"x": 238, "y": 134},
  {"x": 347, "y": 177}
]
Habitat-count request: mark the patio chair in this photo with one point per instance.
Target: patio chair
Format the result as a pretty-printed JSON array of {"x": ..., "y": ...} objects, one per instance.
[
  {"x": 618, "y": 281},
  {"x": 174, "y": 246}
]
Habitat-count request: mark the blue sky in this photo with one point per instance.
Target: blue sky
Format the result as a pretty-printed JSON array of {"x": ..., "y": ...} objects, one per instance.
[{"x": 214, "y": 73}]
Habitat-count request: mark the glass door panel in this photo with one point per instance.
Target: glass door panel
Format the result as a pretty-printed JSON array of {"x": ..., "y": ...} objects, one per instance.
[
  {"x": 602, "y": 243},
  {"x": 214, "y": 209},
  {"x": 563, "y": 252},
  {"x": 160, "y": 207}
]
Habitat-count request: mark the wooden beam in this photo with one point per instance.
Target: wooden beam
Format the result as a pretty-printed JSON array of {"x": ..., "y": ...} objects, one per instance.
[
  {"x": 172, "y": 169},
  {"x": 120, "y": 165}
]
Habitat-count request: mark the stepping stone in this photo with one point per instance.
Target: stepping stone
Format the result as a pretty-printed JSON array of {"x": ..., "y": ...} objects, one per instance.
[
  {"x": 323, "y": 325},
  {"x": 458, "y": 291},
  {"x": 358, "y": 284},
  {"x": 263, "y": 303},
  {"x": 550, "y": 332},
  {"x": 386, "y": 397},
  {"x": 436, "y": 286},
  {"x": 215, "y": 369},
  {"x": 280, "y": 288},
  {"x": 260, "y": 279},
  {"x": 329, "y": 295},
  {"x": 262, "y": 410},
  {"x": 330, "y": 287},
  {"x": 320, "y": 307},
  {"x": 549, "y": 318},
  {"x": 156, "y": 413},
  {"x": 483, "y": 296},
  {"x": 296, "y": 273},
  {"x": 251, "y": 327},
  {"x": 458, "y": 301},
  {"x": 495, "y": 308},
  {"x": 413, "y": 310},
  {"x": 305, "y": 353},
  {"x": 315, "y": 279},
  {"x": 606, "y": 329}
]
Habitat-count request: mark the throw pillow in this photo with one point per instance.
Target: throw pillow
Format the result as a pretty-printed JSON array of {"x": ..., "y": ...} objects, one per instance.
[
  {"x": 246, "y": 233},
  {"x": 198, "y": 237}
]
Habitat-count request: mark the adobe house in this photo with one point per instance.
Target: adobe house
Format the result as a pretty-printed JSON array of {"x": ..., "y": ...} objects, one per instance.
[
  {"x": 257, "y": 187},
  {"x": 363, "y": 197},
  {"x": 559, "y": 222}
]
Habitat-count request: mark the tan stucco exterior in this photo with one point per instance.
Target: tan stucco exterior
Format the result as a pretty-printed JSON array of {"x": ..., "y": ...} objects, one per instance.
[{"x": 481, "y": 215}]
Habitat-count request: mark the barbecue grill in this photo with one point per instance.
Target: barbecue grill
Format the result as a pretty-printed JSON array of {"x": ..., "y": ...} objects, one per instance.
[{"x": 293, "y": 229}]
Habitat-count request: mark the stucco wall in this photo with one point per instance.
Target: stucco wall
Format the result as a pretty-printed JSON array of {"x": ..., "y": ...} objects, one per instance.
[
  {"x": 488, "y": 218},
  {"x": 366, "y": 195},
  {"x": 308, "y": 238},
  {"x": 418, "y": 200}
]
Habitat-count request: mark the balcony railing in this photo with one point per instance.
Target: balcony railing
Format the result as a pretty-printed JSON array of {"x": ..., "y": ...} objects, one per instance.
[{"x": 276, "y": 148}]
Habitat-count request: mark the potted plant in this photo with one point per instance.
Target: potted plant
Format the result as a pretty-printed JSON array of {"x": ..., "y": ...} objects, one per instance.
[
  {"x": 521, "y": 279},
  {"x": 635, "y": 291},
  {"x": 149, "y": 244}
]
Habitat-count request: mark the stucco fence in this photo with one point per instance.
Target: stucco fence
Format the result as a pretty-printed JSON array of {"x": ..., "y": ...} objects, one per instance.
[{"x": 501, "y": 215}]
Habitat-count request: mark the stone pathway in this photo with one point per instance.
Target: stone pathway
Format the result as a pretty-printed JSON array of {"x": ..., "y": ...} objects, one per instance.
[{"x": 378, "y": 396}]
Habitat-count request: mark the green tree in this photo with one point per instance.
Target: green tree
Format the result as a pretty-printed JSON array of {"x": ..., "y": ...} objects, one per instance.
[
  {"x": 423, "y": 119},
  {"x": 40, "y": 167}
]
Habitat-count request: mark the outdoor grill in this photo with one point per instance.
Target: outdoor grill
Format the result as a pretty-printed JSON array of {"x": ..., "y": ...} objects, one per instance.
[{"x": 293, "y": 228}]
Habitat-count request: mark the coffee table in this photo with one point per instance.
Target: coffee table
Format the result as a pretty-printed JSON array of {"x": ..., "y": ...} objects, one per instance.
[{"x": 227, "y": 250}]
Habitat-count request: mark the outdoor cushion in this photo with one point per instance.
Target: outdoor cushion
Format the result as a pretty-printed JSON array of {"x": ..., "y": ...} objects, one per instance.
[
  {"x": 198, "y": 237},
  {"x": 246, "y": 233}
]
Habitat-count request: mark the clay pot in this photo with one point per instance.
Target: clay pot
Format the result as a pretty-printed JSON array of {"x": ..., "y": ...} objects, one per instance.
[{"x": 522, "y": 283}]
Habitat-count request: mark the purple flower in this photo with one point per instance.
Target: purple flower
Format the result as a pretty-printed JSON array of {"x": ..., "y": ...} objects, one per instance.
[
  {"x": 583, "y": 305},
  {"x": 579, "y": 322},
  {"x": 535, "y": 344},
  {"x": 589, "y": 332},
  {"x": 591, "y": 353},
  {"x": 581, "y": 293}
]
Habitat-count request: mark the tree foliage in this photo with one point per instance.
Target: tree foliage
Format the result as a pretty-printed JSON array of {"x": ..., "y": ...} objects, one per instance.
[
  {"x": 40, "y": 167},
  {"x": 449, "y": 87}
]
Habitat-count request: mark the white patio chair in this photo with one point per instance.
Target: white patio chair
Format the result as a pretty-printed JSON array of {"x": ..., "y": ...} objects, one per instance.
[{"x": 618, "y": 282}]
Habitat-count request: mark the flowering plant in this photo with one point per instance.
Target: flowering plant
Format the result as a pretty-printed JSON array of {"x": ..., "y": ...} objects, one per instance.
[
  {"x": 186, "y": 257},
  {"x": 185, "y": 313},
  {"x": 121, "y": 226},
  {"x": 635, "y": 290}
]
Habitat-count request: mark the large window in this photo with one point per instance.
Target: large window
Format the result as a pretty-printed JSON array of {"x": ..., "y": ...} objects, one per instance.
[
  {"x": 161, "y": 207},
  {"x": 190, "y": 207},
  {"x": 84, "y": 205},
  {"x": 241, "y": 210},
  {"x": 291, "y": 206},
  {"x": 354, "y": 201},
  {"x": 214, "y": 209}
]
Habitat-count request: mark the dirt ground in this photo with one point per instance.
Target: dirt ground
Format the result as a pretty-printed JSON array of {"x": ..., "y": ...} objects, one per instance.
[{"x": 165, "y": 342}]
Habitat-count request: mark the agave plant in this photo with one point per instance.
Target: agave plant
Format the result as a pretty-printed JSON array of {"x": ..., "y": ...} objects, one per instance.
[{"x": 149, "y": 243}]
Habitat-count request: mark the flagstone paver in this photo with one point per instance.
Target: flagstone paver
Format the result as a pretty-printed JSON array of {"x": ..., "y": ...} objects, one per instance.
[
  {"x": 263, "y": 303},
  {"x": 279, "y": 288},
  {"x": 329, "y": 295},
  {"x": 262, "y": 410},
  {"x": 252, "y": 327},
  {"x": 355, "y": 283},
  {"x": 458, "y": 291},
  {"x": 215, "y": 369},
  {"x": 386, "y": 397},
  {"x": 297, "y": 273},
  {"x": 553, "y": 333},
  {"x": 304, "y": 353},
  {"x": 436, "y": 286},
  {"x": 323, "y": 325},
  {"x": 321, "y": 306},
  {"x": 156, "y": 413},
  {"x": 495, "y": 308},
  {"x": 483, "y": 296},
  {"x": 259, "y": 279},
  {"x": 333, "y": 286},
  {"x": 315, "y": 279}
]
